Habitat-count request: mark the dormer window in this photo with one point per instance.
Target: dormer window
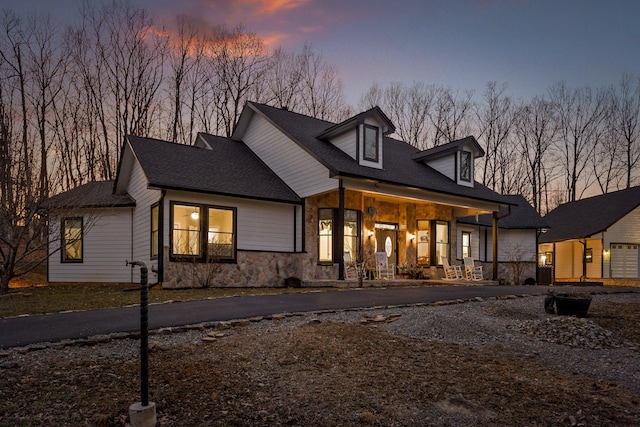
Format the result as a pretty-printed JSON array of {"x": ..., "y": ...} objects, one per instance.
[
  {"x": 371, "y": 144},
  {"x": 465, "y": 166}
]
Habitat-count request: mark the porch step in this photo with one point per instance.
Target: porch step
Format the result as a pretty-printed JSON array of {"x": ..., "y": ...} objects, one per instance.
[{"x": 354, "y": 283}]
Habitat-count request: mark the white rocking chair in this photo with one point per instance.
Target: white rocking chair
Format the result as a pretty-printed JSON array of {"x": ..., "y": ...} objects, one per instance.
[
  {"x": 451, "y": 272},
  {"x": 350, "y": 267},
  {"x": 474, "y": 272},
  {"x": 384, "y": 270}
]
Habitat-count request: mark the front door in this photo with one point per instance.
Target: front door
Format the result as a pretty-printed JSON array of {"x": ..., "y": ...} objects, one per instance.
[{"x": 387, "y": 241}]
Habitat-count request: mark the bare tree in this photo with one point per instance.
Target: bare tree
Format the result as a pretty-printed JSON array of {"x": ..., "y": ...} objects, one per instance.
[
  {"x": 19, "y": 219},
  {"x": 183, "y": 54},
  {"x": 451, "y": 115},
  {"x": 121, "y": 61},
  {"x": 46, "y": 66},
  {"x": 240, "y": 60},
  {"x": 408, "y": 108},
  {"x": 22, "y": 228},
  {"x": 372, "y": 97},
  {"x": 607, "y": 159},
  {"x": 12, "y": 47},
  {"x": 322, "y": 94},
  {"x": 282, "y": 85},
  {"x": 580, "y": 114},
  {"x": 495, "y": 124},
  {"x": 535, "y": 130},
  {"x": 626, "y": 123}
]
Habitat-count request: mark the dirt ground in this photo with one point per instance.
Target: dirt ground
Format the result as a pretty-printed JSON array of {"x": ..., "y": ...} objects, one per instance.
[{"x": 325, "y": 374}]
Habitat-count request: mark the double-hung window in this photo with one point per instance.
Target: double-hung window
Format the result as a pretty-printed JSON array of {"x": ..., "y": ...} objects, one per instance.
[
  {"x": 423, "y": 244},
  {"x": 465, "y": 166},
  {"x": 433, "y": 242},
  {"x": 442, "y": 241},
  {"x": 326, "y": 229},
  {"x": 202, "y": 232},
  {"x": 371, "y": 144},
  {"x": 466, "y": 244},
  {"x": 72, "y": 236},
  {"x": 325, "y": 235}
]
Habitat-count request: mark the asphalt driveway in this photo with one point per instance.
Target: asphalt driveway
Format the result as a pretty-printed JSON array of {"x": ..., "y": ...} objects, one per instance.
[{"x": 21, "y": 331}]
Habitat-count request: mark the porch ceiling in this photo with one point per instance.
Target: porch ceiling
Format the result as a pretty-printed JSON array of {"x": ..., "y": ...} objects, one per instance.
[{"x": 392, "y": 193}]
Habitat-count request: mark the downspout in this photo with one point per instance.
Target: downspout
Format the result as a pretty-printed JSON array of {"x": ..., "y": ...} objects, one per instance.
[
  {"x": 339, "y": 246},
  {"x": 303, "y": 225},
  {"x": 160, "y": 271},
  {"x": 295, "y": 228},
  {"x": 494, "y": 240},
  {"x": 131, "y": 245}
]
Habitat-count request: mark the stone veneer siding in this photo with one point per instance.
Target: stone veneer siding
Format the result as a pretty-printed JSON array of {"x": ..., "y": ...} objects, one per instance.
[{"x": 253, "y": 269}]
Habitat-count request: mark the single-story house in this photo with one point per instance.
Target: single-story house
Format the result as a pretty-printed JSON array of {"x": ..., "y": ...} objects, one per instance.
[
  {"x": 287, "y": 195},
  {"x": 518, "y": 227},
  {"x": 594, "y": 238}
]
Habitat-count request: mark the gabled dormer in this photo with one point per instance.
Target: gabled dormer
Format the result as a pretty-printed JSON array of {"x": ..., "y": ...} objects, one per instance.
[
  {"x": 362, "y": 137},
  {"x": 454, "y": 160}
]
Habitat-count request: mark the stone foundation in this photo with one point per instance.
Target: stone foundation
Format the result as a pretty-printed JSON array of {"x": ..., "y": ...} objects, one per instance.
[{"x": 253, "y": 269}]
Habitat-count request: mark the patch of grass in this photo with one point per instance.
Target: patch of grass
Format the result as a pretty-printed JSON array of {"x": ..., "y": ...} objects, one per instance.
[{"x": 54, "y": 298}]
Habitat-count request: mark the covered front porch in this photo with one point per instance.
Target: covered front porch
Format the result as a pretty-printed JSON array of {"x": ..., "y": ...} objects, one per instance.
[{"x": 415, "y": 228}]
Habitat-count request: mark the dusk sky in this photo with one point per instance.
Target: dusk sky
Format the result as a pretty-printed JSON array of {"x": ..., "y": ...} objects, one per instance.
[{"x": 463, "y": 44}]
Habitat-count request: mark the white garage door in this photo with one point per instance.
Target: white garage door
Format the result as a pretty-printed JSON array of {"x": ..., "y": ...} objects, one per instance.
[{"x": 624, "y": 260}]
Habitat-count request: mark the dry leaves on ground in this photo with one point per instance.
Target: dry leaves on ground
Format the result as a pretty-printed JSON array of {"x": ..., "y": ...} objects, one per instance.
[{"x": 320, "y": 373}]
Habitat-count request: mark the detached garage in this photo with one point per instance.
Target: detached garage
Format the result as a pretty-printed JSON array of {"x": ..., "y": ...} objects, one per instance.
[
  {"x": 594, "y": 238},
  {"x": 624, "y": 260}
]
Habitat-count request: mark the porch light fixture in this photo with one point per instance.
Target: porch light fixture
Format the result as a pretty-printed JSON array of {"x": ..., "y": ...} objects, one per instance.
[
  {"x": 195, "y": 215},
  {"x": 606, "y": 254},
  {"x": 411, "y": 236},
  {"x": 370, "y": 233}
]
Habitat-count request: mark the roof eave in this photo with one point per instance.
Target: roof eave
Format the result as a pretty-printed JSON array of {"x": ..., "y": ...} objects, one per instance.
[{"x": 222, "y": 193}]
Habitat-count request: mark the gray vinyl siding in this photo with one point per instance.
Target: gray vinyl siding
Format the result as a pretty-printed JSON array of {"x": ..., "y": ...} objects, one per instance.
[
  {"x": 299, "y": 170},
  {"x": 445, "y": 165},
  {"x": 513, "y": 245},
  {"x": 141, "y": 238},
  {"x": 347, "y": 142},
  {"x": 106, "y": 247},
  {"x": 261, "y": 226}
]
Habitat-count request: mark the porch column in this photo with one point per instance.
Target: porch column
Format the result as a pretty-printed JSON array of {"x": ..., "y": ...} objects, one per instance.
[
  {"x": 339, "y": 244},
  {"x": 494, "y": 245}
]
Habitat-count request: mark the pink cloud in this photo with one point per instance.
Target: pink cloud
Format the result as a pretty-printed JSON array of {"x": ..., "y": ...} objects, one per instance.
[
  {"x": 273, "y": 39},
  {"x": 312, "y": 29},
  {"x": 274, "y": 6},
  {"x": 277, "y": 22}
]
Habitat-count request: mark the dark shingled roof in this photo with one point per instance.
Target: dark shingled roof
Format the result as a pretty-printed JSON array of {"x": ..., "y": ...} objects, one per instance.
[
  {"x": 586, "y": 217},
  {"x": 399, "y": 168},
  {"x": 359, "y": 118},
  {"x": 95, "y": 194},
  {"x": 523, "y": 216},
  {"x": 228, "y": 168},
  {"x": 450, "y": 147}
]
